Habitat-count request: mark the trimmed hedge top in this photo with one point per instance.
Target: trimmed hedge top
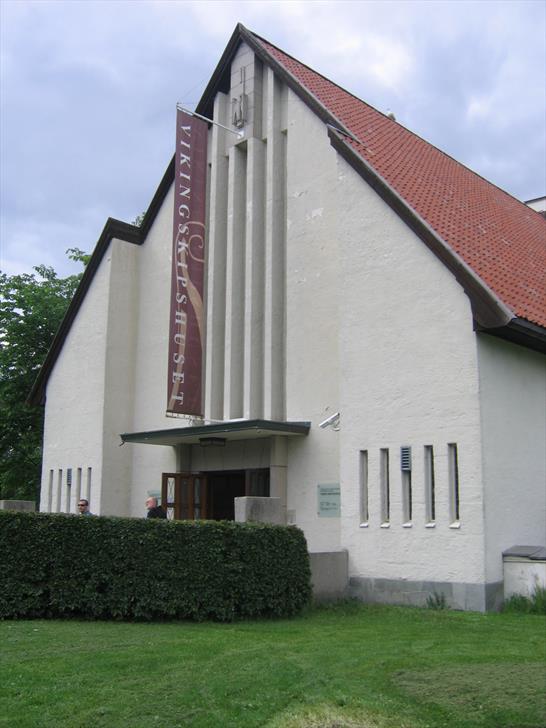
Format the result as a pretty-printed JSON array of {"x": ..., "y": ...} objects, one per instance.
[{"x": 138, "y": 569}]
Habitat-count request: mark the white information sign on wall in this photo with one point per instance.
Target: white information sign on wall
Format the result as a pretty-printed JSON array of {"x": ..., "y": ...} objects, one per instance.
[{"x": 328, "y": 500}]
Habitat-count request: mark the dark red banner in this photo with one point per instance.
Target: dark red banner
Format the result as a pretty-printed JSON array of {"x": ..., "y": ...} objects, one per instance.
[{"x": 186, "y": 331}]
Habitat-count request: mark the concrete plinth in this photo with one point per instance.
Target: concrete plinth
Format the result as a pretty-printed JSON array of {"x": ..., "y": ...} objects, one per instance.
[
  {"x": 17, "y": 505},
  {"x": 524, "y": 570},
  {"x": 260, "y": 510},
  {"x": 329, "y": 575}
]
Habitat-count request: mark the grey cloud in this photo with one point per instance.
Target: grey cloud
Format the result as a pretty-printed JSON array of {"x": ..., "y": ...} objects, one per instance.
[{"x": 88, "y": 94}]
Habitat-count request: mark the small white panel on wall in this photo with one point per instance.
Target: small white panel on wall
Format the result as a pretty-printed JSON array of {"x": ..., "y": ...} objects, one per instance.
[{"x": 328, "y": 500}]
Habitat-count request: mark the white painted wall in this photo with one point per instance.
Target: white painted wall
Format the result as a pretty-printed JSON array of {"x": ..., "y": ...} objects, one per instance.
[
  {"x": 312, "y": 315},
  {"x": 408, "y": 377},
  {"x": 513, "y": 422},
  {"x": 154, "y": 285},
  {"x": 119, "y": 377},
  {"x": 151, "y": 353},
  {"x": 74, "y": 399},
  {"x": 373, "y": 326},
  {"x": 90, "y": 391},
  {"x": 311, "y": 270}
]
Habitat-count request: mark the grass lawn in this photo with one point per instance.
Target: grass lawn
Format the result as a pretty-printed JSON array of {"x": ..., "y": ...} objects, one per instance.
[{"x": 352, "y": 665}]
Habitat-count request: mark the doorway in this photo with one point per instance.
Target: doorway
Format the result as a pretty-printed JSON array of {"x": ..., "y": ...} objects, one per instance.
[
  {"x": 194, "y": 496},
  {"x": 223, "y": 487}
]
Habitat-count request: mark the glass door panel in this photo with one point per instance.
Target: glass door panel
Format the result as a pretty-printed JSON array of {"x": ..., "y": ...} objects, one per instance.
[
  {"x": 185, "y": 500},
  {"x": 168, "y": 494}
]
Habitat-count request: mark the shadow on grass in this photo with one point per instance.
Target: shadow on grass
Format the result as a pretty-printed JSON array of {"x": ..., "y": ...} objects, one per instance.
[{"x": 507, "y": 695}]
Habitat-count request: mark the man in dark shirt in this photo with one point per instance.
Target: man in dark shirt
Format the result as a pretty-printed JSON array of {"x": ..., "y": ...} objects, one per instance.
[
  {"x": 83, "y": 507},
  {"x": 154, "y": 511}
]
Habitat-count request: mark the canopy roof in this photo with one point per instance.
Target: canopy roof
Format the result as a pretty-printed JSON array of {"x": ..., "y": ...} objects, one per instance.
[{"x": 219, "y": 433}]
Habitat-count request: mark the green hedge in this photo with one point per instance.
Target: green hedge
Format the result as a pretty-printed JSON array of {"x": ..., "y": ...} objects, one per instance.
[{"x": 122, "y": 568}]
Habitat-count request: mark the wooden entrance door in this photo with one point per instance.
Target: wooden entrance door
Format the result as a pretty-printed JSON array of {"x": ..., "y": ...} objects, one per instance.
[{"x": 184, "y": 496}]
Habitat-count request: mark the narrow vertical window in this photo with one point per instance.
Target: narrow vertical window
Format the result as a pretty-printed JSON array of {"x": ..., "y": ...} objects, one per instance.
[
  {"x": 49, "y": 504},
  {"x": 88, "y": 487},
  {"x": 363, "y": 479},
  {"x": 68, "y": 492},
  {"x": 385, "y": 486},
  {"x": 454, "y": 483},
  {"x": 78, "y": 485},
  {"x": 59, "y": 502},
  {"x": 430, "y": 496},
  {"x": 405, "y": 467}
]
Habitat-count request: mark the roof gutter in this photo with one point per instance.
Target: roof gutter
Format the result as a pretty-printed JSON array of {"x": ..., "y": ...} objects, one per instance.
[{"x": 522, "y": 332}]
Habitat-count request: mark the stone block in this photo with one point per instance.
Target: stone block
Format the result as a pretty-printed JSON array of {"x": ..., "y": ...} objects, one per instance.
[
  {"x": 329, "y": 575},
  {"x": 17, "y": 505},
  {"x": 259, "y": 510}
]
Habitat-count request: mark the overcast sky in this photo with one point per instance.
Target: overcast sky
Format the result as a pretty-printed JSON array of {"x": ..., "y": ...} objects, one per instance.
[{"x": 89, "y": 88}]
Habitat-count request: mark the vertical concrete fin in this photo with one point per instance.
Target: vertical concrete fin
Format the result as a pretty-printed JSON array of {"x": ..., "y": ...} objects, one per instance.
[
  {"x": 216, "y": 283},
  {"x": 275, "y": 244},
  {"x": 235, "y": 283},
  {"x": 254, "y": 377},
  {"x": 254, "y": 280},
  {"x": 278, "y": 478}
]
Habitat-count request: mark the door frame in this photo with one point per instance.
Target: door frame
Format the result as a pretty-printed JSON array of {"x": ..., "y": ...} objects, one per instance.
[{"x": 195, "y": 504}]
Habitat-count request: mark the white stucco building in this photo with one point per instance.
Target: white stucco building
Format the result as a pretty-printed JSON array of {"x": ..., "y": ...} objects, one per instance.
[{"x": 351, "y": 268}]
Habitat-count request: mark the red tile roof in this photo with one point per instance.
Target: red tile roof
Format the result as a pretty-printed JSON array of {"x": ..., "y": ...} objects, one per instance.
[{"x": 499, "y": 237}]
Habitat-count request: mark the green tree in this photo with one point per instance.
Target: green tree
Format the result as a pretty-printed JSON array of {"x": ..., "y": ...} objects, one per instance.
[
  {"x": 138, "y": 219},
  {"x": 32, "y": 307}
]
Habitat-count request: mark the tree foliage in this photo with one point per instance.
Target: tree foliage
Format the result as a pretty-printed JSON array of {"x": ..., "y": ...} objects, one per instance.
[
  {"x": 32, "y": 307},
  {"x": 139, "y": 219}
]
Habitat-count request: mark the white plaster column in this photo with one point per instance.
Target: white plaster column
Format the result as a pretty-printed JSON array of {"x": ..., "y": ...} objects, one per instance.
[
  {"x": 77, "y": 489},
  {"x": 235, "y": 284},
  {"x": 278, "y": 471},
  {"x": 275, "y": 242},
  {"x": 216, "y": 269},
  {"x": 254, "y": 281},
  {"x": 59, "y": 488},
  {"x": 183, "y": 459}
]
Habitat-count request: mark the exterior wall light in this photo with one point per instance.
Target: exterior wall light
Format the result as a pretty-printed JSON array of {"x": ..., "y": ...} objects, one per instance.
[{"x": 212, "y": 441}]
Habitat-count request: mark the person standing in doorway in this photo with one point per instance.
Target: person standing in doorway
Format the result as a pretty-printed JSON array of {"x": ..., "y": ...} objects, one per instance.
[{"x": 154, "y": 510}]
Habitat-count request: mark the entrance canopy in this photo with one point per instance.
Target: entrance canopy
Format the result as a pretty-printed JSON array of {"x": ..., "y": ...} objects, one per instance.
[{"x": 218, "y": 433}]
